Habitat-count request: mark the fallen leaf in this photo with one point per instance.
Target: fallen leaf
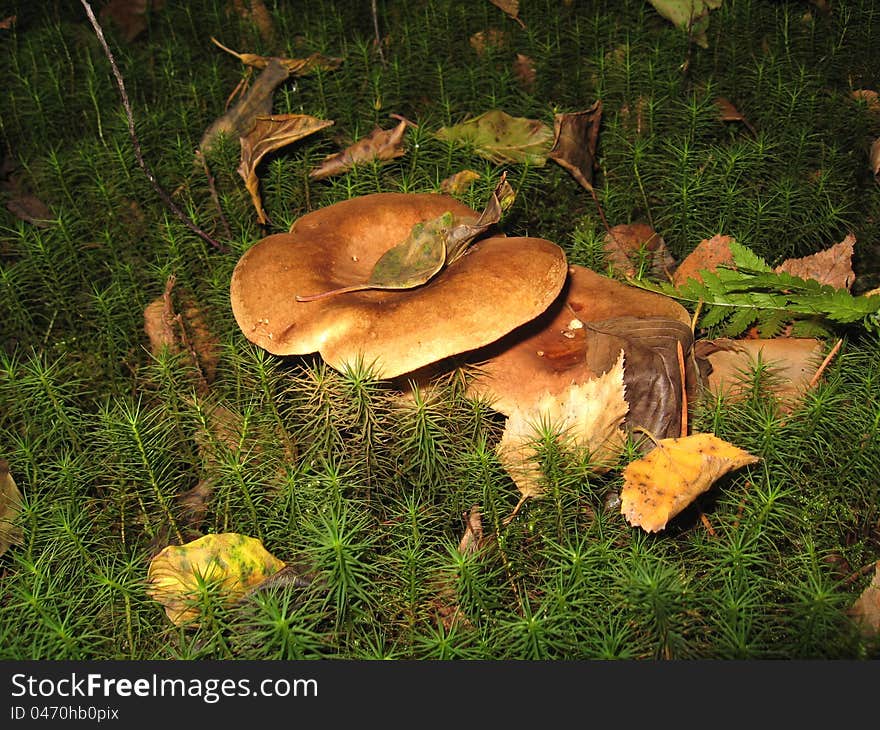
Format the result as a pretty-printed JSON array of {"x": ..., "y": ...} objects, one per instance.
[
  {"x": 257, "y": 102},
  {"x": 866, "y": 609},
  {"x": 874, "y": 157},
  {"x": 707, "y": 256},
  {"x": 294, "y": 66},
  {"x": 574, "y": 143},
  {"x": 270, "y": 133},
  {"x": 634, "y": 247},
  {"x": 7, "y": 22},
  {"x": 130, "y": 16},
  {"x": 833, "y": 266},
  {"x": 459, "y": 182},
  {"x": 691, "y": 16},
  {"x": 869, "y": 98},
  {"x": 524, "y": 70},
  {"x": 31, "y": 209},
  {"x": 659, "y": 485},
  {"x": 510, "y": 8},
  {"x": 193, "y": 505},
  {"x": 473, "y": 532},
  {"x": 501, "y": 138},
  {"x": 727, "y": 112},
  {"x": 256, "y": 12},
  {"x": 380, "y": 144},
  {"x": 588, "y": 415},
  {"x": 182, "y": 328},
  {"x": 791, "y": 363},
  {"x": 10, "y": 507},
  {"x": 493, "y": 39},
  {"x": 233, "y": 562}
]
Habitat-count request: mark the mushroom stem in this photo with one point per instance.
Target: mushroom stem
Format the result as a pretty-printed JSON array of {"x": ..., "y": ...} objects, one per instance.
[{"x": 332, "y": 292}]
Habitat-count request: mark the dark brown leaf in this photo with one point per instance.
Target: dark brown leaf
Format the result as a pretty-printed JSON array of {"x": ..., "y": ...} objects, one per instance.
[
  {"x": 256, "y": 12},
  {"x": 727, "y": 112},
  {"x": 380, "y": 144},
  {"x": 574, "y": 145},
  {"x": 257, "y": 102},
  {"x": 268, "y": 134},
  {"x": 7, "y": 22},
  {"x": 31, "y": 209}
]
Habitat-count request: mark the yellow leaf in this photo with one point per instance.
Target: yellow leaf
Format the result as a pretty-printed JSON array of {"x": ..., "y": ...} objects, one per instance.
[
  {"x": 589, "y": 414},
  {"x": 232, "y": 562},
  {"x": 673, "y": 474}
]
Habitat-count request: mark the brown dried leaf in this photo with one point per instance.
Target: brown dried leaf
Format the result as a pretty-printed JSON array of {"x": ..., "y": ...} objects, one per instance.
[
  {"x": 630, "y": 247},
  {"x": 869, "y": 97},
  {"x": 129, "y": 16},
  {"x": 380, "y": 144},
  {"x": 180, "y": 328},
  {"x": 707, "y": 256},
  {"x": 874, "y": 157},
  {"x": 294, "y": 66},
  {"x": 792, "y": 363},
  {"x": 257, "y": 102},
  {"x": 10, "y": 507},
  {"x": 489, "y": 39},
  {"x": 473, "y": 532},
  {"x": 727, "y": 112},
  {"x": 7, "y": 22},
  {"x": 672, "y": 475},
  {"x": 574, "y": 144},
  {"x": 193, "y": 505},
  {"x": 268, "y": 134},
  {"x": 459, "y": 182},
  {"x": 524, "y": 70},
  {"x": 866, "y": 609},
  {"x": 588, "y": 415},
  {"x": 31, "y": 209},
  {"x": 256, "y": 12},
  {"x": 510, "y": 8},
  {"x": 833, "y": 266}
]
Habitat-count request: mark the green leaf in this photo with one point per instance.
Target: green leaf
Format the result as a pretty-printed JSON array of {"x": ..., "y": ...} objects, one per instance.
[{"x": 501, "y": 138}]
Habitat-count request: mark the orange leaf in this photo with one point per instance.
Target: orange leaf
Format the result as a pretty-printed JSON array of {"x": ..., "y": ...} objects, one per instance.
[
  {"x": 628, "y": 244},
  {"x": 268, "y": 134},
  {"x": 707, "y": 256},
  {"x": 380, "y": 144},
  {"x": 459, "y": 182},
  {"x": 673, "y": 474}
]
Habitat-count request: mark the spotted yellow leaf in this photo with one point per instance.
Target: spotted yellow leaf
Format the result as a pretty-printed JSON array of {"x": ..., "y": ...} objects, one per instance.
[
  {"x": 673, "y": 474},
  {"x": 232, "y": 562}
]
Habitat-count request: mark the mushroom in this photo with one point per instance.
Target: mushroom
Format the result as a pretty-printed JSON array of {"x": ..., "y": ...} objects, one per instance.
[
  {"x": 499, "y": 285},
  {"x": 580, "y": 337}
]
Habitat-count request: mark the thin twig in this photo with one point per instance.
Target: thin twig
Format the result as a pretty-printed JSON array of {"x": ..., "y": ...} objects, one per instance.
[
  {"x": 684, "y": 396},
  {"x": 601, "y": 212},
  {"x": 828, "y": 358},
  {"x": 134, "y": 138},
  {"x": 855, "y": 575},
  {"x": 375, "y": 11},
  {"x": 212, "y": 187}
]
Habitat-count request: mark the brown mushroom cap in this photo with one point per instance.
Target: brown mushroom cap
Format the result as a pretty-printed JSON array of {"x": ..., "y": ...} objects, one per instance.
[
  {"x": 500, "y": 284},
  {"x": 580, "y": 337}
]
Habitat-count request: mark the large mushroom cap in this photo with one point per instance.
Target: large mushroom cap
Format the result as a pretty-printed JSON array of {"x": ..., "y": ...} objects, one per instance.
[
  {"x": 500, "y": 284},
  {"x": 580, "y": 337}
]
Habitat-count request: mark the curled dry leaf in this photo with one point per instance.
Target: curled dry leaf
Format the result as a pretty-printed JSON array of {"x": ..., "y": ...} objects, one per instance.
[
  {"x": 833, "y": 266},
  {"x": 667, "y": 479},
  {"x": 10, "y": 507},
  {"x": 232, "y": 562},
  {"x": 294, "y": 66},
  {"x": 380, "y": 144},
  {"x": 727, "y": 112},
  {"x": 866, "y": 609},
  {"x": 181, "y": 328},
  {"x": 588, "y": 415},
  {"x": 791, "y": 363},
  {"x": 268, "y": 134},
  {"x": 501, "y": 138},
  {"x": 869, "y": 98},
  {"x": 707, "y": 256},
  {"x": 574, "y": 143},
  {"x": 473, "y": 532},
  {"x": 459, "y": 182},
  {"x": 239, "y": 120},
  {"x": 630, "y": 247}
]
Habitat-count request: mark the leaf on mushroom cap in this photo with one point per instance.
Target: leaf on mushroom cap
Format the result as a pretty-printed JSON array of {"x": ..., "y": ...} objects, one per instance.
[
  {"x": 501, "y": 284},
  {"x": 579, "y": 338}
]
